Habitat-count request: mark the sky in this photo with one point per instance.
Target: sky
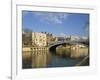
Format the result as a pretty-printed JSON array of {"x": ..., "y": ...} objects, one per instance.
[{"x": 57, "y": 23}]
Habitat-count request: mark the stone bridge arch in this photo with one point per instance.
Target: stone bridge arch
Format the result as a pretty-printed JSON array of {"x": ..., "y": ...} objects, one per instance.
[{"x": 53, "y": 46}]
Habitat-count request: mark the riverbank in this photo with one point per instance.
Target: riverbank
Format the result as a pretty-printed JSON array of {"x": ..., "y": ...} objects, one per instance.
[
  {"x": 85, "y": 62},
  {"x": 26, "y": 49}
]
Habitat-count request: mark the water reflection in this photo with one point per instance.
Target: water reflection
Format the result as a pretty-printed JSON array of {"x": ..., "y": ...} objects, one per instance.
[
  {"x": 61, "y": 58},
  {"x": 27, "y": 59},
  {"x": 39, "y": 59},
  {"x": 73, "y": 51}
]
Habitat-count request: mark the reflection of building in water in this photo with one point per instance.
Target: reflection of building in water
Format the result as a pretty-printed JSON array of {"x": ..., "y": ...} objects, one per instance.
[
  {"x": 39, "y": 59},
  {"x": 39, "y": 39},
  {"x": 26, "y": 59},
  {"x": 73, "y": 51},
  {"x": 77, "y": 51}
]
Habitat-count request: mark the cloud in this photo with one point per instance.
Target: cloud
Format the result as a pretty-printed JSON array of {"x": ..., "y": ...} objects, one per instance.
[{"x": 50, "y": 17}]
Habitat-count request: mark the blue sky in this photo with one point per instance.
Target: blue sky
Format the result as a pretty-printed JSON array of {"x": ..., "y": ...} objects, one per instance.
[{"x": 57, "y": 23}]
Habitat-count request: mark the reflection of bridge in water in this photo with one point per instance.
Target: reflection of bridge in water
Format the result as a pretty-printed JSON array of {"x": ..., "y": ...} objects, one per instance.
[
  {"x": 76, "y": 48},
  {"x": 40, "y": 58},
  {"x": 53, "y": 46}
]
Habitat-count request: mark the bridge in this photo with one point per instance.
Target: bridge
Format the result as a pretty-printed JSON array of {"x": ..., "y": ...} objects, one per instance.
[{"x": 53, "y": 46}]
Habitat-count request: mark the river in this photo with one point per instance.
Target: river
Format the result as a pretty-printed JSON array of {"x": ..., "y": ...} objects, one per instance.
[{"x": 47, "y": 59}]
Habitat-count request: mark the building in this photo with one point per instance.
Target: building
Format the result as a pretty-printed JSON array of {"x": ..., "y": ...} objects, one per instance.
[
  {"x": 39, "y": 39},
  {"x": 61, "y": 38},
  {"x": 49, "y": 38},
  {"x": 68, "y": 38},
  {"x": 85, "y": 38},
  {"x": 74, "y": 38}
]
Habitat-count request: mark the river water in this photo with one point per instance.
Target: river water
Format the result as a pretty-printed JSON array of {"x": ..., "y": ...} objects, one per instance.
[{"x": 47, "y": 59}]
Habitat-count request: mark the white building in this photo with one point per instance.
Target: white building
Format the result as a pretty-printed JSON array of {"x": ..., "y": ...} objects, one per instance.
[
  {"x": 39, "y": 39},
  {"x": 84, "y": 38},
  {"x": 74, "y": 38}
]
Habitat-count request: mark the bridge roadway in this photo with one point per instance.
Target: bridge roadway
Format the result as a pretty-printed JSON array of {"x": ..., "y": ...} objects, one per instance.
[{"x": 55, "y": 44}]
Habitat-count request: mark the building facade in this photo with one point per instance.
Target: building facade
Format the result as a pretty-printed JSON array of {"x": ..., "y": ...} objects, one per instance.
[
  {"x": 39, "y": 39},
  {"x": 49, "y": 38},
  {"x": 74, "y": 38}
]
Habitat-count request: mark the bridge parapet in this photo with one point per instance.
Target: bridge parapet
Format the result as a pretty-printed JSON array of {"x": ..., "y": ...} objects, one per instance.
[{"x": 69, "y": 42}]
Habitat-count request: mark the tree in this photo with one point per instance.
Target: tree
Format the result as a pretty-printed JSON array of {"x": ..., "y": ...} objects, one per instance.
[{"x": 27, "y": 37}]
